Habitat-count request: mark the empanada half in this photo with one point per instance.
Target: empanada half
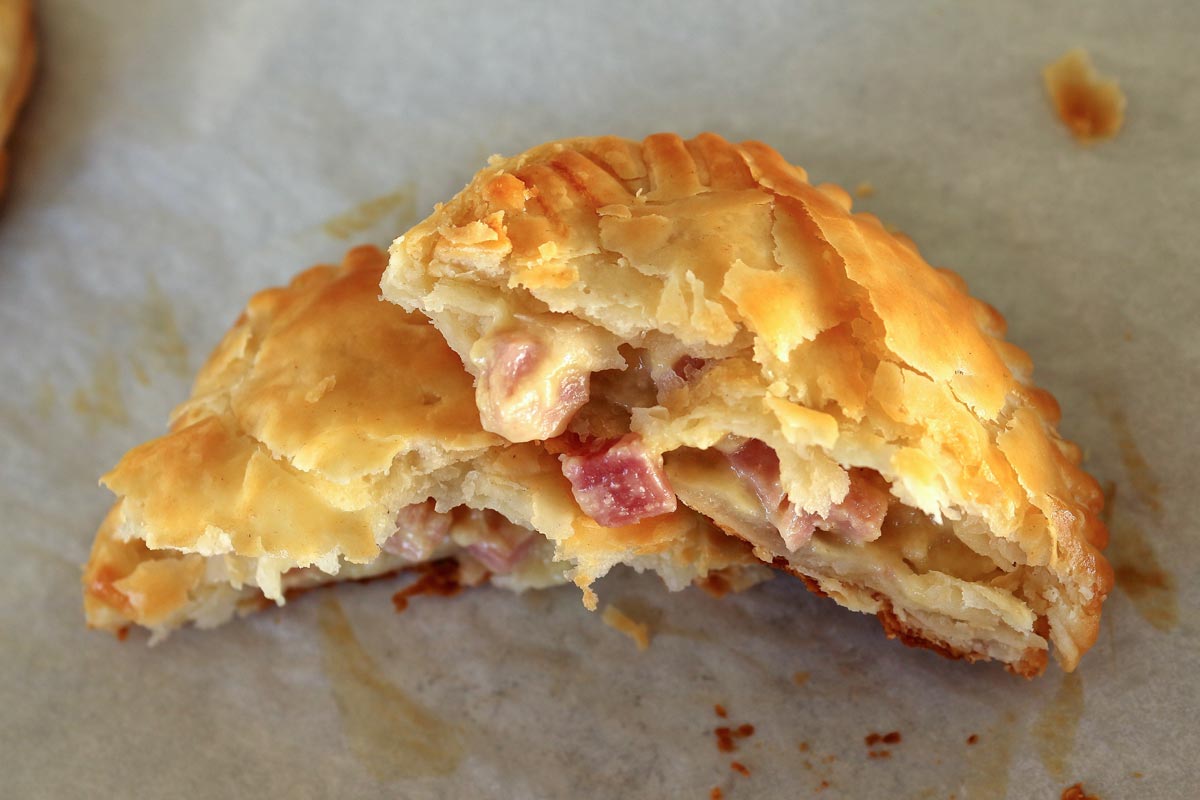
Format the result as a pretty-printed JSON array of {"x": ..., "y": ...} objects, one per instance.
[
  {"x": 334, "y": 436},
  {"x": 693, "y": 319}
]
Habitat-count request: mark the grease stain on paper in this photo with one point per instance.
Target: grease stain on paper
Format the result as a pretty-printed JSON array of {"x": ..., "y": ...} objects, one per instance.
[
  {"x": 1141, "y": 576},
  {"x": 401, "y": 204},
  {"x": 988, "y": 762},
  {"x": 160, "y": 332},
  {"x": 1141, "y": 476},
  {"x": 46, "y": 401},
  {"x": 389, "y": 733},
  {"x": 1138, "y": 572},
  {"x": 1056, "y": 726},
  {"x": 101, "y": 402}
]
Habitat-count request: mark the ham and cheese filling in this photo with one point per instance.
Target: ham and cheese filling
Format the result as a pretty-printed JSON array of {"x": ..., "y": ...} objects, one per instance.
[
  {"x": 424, "y": 533},
  {"x": 614, "y": 479},
  {"x": 616, "y": 482},
  {"x": 858, "y": 518},
  {"x": 518, "y": 397}
]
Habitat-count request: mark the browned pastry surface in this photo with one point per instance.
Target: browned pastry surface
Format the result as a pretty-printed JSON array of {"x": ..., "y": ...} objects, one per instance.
[
  {"x": 688, "y": 302},
  {"x": 333, "y": 436}
]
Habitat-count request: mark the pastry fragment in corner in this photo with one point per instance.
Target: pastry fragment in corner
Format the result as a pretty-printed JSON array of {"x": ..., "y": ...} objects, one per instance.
[{"x": 18, "y": 57}]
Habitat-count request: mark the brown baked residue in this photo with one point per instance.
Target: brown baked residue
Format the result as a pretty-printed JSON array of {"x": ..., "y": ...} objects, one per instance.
[
  {"x": 1091, "y": 106},
  {"x": 1054, "y": 731},
  {"x": 973, "y": 738},
  {"x": 102, "y": 402},
  {"x": 720, "y": 711},
  {"x": 368, "y": 213},
  {"x": 716, "y": 793},
  {"x": 727, "y": 737},
  {"x": 986, "y": 768},
  {"x": 1140, "y": 575},
  {"x": 740, "y": 768},
  {"x": 1076, "y": 792},
  {"x": 437, "y": 578},
  {"x": 1136, "y": 567},
  {"x": 391, "y": 735},
  {"x": 800, "y": 678},
  {"x": 1141, "y": 475},
  {"x": 716, "y": 585}
]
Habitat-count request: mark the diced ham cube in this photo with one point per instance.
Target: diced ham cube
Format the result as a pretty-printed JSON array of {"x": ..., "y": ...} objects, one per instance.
[
  {"x": 518, "y": 397},
  {"x": 857, "y": 518},
  {"x": 420, "y": 531},
  {"x": 616, "y": 482},
  {"x": 494, "y": 541},
  {"x": 758, "y": 465},
  {"x": 679, "y": 375}
]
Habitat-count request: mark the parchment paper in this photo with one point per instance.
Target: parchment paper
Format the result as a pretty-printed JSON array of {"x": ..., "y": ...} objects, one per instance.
[{"x": 176, "y": 157}]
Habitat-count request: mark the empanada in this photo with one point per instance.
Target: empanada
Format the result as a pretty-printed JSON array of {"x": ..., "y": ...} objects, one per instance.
[
  {"x": 334, "y": 436},
  {"x": 18, "y": 52},
  {"x": 692, "y": 322}
]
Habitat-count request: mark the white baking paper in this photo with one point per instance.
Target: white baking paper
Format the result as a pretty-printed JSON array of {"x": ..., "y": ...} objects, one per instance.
[{"x": 175, "y": 157}]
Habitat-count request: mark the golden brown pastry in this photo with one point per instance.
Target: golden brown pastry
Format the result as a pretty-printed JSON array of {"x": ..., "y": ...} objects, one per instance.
[
  {"x": 18, "y": 53},
  {"x": 692, "y": 323},
  {"x": 334, "y": 436}
]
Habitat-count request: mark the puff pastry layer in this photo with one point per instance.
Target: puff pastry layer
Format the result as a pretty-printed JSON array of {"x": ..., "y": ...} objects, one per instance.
[
  {"x": 333, "y": 436},
  {"x": 693, "y": 319}
]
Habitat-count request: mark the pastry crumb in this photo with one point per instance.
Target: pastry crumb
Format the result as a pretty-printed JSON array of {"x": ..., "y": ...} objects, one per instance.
[
  {"x": 716, "y": 793},
  {"x": 720, "y": 711},
  {"x": 1090, "y": 105},
  {"x": 740, "y": 768},
  {"x": 864, "y": 189},
  {"x": 619, "y": 621},
  {"x": 1076, "y": 792},
  {"x": 872, "y": 739},
  {"x": 973, "y": 738},
  {"x": 727, "y": 737}
]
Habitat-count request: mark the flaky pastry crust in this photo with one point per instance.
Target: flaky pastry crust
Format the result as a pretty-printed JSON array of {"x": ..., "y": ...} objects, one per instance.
[
  {"x": 321, "y": 420},
  {"x": 18, "y": 55},
  {"x": 787, "y": 319}
]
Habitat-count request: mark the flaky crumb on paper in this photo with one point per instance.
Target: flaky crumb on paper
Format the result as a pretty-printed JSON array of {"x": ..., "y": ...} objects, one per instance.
[
  {"x": 618, "y": 620},
  {"x": 1090, "y": 105}
]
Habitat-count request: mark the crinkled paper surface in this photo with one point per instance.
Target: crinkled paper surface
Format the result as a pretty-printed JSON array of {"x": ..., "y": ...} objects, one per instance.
[{"x": 175, "y": 157}]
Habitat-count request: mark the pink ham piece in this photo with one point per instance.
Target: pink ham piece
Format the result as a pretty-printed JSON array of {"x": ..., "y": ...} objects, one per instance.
[
  {"x": 857, "y": 518},
  {"x": 679, "y": 375},
  {"x": 420, "y": 531},
  {"x": 616, "y": 482},
  {"x": 497, "y": 543},
  {"x": 520, "y": 400}
]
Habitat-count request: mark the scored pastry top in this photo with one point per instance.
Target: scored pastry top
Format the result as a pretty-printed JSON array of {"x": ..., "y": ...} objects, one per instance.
[{"x": 831, "y": 336}]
